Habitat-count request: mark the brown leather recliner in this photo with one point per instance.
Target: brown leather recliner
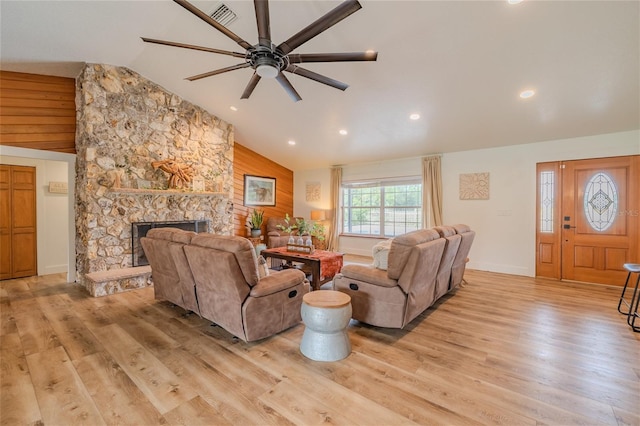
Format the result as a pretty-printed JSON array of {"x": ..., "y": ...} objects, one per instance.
[
  {"x": 443, "y": 280},
  {"x": 231, "y": 294},
  {"x": 276, "y": 237},
  {"x": 394, "y": 297},
  {"x": 460, "y": 261},
  {"x": 171, "y": 280}
]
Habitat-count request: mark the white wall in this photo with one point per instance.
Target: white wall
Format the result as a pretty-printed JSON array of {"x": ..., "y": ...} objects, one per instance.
[
  {"x": 505, "y": 224},
  {"x": 55, "y": 229}
]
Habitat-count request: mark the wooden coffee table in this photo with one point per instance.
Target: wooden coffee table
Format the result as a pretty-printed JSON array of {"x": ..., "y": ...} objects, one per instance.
[{"x": 323, "y": 265}]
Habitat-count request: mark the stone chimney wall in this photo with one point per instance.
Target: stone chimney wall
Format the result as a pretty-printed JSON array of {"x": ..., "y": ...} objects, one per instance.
[{"x": 124, "y": 123}]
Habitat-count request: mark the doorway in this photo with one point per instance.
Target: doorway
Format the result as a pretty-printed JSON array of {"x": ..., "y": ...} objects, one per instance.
[{"x": 587, "y": 223}]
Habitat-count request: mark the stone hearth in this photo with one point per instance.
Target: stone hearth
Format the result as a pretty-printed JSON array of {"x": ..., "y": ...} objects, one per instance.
[{"x": 124, "y": 122}]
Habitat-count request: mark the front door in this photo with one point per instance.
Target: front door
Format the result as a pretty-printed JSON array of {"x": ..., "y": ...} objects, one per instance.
[{"x": 598, "y": 202}]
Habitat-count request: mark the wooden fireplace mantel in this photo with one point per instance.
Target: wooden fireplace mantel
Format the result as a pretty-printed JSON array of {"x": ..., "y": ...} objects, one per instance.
[{"x": 137, "y": 191}]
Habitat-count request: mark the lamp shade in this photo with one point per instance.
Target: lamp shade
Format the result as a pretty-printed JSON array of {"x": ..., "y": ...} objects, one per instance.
[{"x": 317, "y": 215}]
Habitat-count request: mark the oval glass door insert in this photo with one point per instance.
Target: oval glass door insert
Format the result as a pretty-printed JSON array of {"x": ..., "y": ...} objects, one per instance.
[{"x": 600, "y": 201}]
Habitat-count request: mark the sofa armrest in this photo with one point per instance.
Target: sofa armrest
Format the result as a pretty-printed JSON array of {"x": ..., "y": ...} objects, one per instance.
[
  {"x": 277, "y": 281},
  {"x": 369, "y": 274},
  {"x": 273, "y": 233}
]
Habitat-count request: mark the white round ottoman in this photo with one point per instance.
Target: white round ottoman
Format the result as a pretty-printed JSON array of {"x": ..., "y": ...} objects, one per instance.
[{"x": 326, "y": 315}]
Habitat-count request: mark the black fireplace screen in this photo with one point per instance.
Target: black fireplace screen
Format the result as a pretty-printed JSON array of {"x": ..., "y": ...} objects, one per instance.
[{"x": 140, "y": 229}]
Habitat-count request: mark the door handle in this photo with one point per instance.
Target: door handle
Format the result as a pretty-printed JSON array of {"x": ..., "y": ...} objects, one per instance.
[{"x": 568, "y": 226}]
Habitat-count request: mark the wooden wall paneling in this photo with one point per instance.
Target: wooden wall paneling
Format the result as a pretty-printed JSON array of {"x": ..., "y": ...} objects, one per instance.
[
  {"x": 37, "y": 112},
  {"x": 246, "y": 161}
]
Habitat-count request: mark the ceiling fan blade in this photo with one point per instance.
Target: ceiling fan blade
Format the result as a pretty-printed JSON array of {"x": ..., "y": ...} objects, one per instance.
[
  {"x": 297, "y": 58},
  {"x": 191, "y": 46},
  {"x": 286, "y": 85},
  {"x": 262, "y": 19},
  {"x": 252, "y": 85},
  {"x": 327, "y": 21},
  {"x": 209, "y": 20},
  {"x": 220, "y": 71},
  {"x": 317, "y": 77}
]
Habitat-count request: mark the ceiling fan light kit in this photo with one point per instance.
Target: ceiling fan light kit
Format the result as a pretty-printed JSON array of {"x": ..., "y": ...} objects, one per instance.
[
  {"x": 269, "y": 60},
  {"x": 267, "y": 71}
]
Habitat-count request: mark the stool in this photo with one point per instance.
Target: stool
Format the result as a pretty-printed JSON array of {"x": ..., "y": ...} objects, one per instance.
[
  {"x": 326, "y": 315},
  {"x": 632, "y": 312}
]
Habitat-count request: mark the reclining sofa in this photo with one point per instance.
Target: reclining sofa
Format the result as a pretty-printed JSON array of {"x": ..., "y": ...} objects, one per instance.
[
  {"x": 422, "y": 266},
  {"x": 217, "y": 277}
]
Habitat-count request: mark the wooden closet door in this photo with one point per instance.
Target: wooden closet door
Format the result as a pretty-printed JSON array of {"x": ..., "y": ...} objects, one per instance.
[
  {"x": 18, "y": 224},
  {"x": 5, "y": 222}
]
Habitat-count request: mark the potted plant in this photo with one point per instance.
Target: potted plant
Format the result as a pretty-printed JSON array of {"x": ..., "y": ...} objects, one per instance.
[
  {"x": 303, "y": 226},
  {"x": 255, "y": 222},
  {"x": 317, "y": 233},
  {"x": 289, "y": 228}
]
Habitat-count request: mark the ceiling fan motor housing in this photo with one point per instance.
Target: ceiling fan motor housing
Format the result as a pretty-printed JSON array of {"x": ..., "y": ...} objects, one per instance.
[{"x": 266, "y": 61}]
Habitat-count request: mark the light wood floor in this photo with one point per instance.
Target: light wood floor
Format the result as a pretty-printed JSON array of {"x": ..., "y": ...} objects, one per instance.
[{"x": 502, "y": 350}]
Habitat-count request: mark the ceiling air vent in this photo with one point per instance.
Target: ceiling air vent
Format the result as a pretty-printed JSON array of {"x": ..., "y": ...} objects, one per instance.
[{"x": 223, "y": 15}]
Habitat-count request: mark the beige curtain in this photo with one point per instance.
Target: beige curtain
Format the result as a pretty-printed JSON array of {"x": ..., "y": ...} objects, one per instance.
[
  {"x": 431, "y": 191},
  {"x": 334, "y": 232}
]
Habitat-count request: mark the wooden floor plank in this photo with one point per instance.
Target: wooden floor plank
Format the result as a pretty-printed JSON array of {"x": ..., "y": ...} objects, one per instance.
[
  {"x": 195, "y": 412},
  {"x": 218, "y": 390},
  {"x": 7, "y": 320},
  {"x": 523, "y": 398},
  {"x": 118, "y": 397},
  {"x": 155, "y": 380},
  {"x": 33, "y": 326},
  {"x": 62, "y": 396},
  {"x": 70, "y": 330},
  {"x": 18, "y": 403},
  {"x": 301, "y": 407}
]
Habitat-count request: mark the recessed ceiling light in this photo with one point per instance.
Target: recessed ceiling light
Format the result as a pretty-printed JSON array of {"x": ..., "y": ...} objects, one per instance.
[
  {"x": 343, "y": 132},
  {"x": 414, "y": 116},
  {"x": 514, "y": 1},
  {"x": 292, "y": 142},
  {"x": 527, "y": 94},
  {"x": 232, "y": 108}
]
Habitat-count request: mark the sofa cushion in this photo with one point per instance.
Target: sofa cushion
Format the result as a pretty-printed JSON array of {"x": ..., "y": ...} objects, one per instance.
[
  {"x": 401, "y": 247},
  {"x": 381, "y": 254},
  {"x": 368, "y": 274}
]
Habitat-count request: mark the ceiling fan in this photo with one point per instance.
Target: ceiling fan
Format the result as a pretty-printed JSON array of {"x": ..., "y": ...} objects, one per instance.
[{"x": 269, "y": 60}]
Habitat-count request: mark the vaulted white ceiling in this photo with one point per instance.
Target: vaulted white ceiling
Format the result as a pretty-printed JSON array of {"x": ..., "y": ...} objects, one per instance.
[{"x": 460, "y": 65}]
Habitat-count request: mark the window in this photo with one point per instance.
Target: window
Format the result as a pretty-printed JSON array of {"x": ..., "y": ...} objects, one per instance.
[
  {"x": 547, "y": 197},
  {"x": 383, "y": 209}
]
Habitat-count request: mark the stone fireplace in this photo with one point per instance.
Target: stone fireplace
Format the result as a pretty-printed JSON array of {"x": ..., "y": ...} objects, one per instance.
[{"x": 124, "y": 123}]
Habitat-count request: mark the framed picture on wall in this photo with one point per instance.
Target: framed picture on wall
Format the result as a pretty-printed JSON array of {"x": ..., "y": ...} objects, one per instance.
[{"x": 259, "y": 191}]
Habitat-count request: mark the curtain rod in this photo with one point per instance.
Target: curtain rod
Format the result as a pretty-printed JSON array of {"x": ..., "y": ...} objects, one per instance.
[{"x": 438, "y": 154}]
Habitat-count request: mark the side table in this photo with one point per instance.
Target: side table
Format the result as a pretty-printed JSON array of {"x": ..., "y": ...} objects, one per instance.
[{"x": 326, "y": 315}]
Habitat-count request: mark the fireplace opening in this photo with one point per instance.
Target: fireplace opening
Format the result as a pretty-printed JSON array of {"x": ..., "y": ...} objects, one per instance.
[{"x": 140, "y": 229}]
